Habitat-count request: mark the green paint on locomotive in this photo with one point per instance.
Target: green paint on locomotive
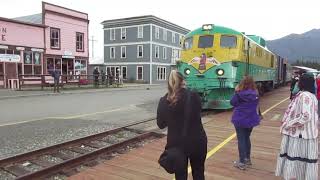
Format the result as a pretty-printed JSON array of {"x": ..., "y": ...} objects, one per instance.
[
  {"x": 216, "y": 91},
  {"x": 216, "y": 29}
]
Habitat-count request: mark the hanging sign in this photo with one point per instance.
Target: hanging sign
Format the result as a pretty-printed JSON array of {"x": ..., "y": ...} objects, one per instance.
[{"x": 9, "y": 58}]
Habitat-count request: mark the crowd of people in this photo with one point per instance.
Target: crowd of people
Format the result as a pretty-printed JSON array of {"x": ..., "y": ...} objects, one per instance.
[
  {"x": 187, "y": 140},
  {"x": 106, "y": 79}
]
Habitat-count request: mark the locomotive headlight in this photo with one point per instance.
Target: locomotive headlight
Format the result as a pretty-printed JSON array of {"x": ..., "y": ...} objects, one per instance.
[
  {"x": 207, "y": 27},
  {"x": 187, "y": 71},
  {"x": 220, "y": 72}
]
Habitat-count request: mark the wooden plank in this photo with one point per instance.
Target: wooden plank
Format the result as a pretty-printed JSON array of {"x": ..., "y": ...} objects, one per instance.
[{"x": 141, "y": 163}]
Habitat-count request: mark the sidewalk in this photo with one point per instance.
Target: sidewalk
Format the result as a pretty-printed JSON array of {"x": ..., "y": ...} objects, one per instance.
[{"x": 36, "y": 91}]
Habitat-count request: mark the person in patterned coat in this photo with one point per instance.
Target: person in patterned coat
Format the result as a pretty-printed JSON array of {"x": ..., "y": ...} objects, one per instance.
[{"x": 298, "y": 157}]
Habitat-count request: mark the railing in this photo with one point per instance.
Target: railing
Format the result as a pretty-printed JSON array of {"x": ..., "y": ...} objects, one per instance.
[{"x": 79, "y": 80}]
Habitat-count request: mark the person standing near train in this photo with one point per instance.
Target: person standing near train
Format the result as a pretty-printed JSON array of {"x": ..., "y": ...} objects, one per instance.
[
  {"x": 298, "y": 156},
  {"x": 318, "y": 92},
  {"x": 172, "y": 113},
  {"x": 244, "y": 118}
]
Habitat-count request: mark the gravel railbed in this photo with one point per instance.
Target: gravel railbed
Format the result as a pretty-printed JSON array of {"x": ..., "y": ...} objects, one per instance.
[
  {"x": 36, "y": 135},
  {"x": 6, "y": 176}
]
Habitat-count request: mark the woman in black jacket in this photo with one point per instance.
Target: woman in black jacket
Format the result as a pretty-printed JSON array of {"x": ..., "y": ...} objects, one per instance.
[{"x": 171, "y": 112}]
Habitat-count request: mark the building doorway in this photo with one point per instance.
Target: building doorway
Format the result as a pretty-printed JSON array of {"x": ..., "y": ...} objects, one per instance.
[
  {"x": 11, "y": 70},
  {"x": 67, "y": 66}
]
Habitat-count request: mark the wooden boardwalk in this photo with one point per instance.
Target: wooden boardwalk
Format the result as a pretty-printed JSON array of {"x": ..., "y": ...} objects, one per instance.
[{"x": 141, "y": 163}]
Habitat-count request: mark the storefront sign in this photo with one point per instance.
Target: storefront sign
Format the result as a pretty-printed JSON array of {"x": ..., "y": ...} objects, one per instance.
[
  {"x": 68, "y": 57},
  {"x": 9, "y": 58},
  {"x": 4, "y": 47},
  {"x": 36, "y": 49},
  {"x": 20, "y": 48},
  {"x": 3, "y": 33}
]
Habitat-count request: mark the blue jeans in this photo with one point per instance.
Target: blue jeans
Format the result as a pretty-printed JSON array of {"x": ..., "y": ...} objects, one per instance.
[{"x": 244, "y": 144}]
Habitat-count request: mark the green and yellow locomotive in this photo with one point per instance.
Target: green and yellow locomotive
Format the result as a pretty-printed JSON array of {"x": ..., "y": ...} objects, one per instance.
[{"x": 214, "y": 59}]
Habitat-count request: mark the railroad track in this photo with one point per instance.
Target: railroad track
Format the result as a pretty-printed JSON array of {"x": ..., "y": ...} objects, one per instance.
[{"x": 60, "y": 158}]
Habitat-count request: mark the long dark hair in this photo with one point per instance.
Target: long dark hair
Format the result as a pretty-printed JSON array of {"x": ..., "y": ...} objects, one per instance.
[{"x": 306, "y": 83}]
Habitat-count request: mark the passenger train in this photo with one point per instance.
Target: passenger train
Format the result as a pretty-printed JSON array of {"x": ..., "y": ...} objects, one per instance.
[{"x": 214, "y": 59}]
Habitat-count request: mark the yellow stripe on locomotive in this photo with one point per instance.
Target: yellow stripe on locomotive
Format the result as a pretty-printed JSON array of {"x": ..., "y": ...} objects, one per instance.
[{"x": 215, "y": 58}]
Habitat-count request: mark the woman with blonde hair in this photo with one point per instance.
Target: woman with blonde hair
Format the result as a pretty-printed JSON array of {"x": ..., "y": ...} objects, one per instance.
[
  {"x": 245, "y": 117},
  {"x": 173, "y": 110}
]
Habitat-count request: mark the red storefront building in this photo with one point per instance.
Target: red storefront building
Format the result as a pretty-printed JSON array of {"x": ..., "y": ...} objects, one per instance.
[{"x": 57, "y": 37}]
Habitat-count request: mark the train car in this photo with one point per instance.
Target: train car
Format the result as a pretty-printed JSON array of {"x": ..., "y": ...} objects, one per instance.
[
  {"x": 284, "y": 72},
  {"x": 287, "y": 71},
  {"x": 215, "y": 58}
]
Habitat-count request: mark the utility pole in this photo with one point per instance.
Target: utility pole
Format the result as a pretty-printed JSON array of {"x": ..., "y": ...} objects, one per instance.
[{"x": 92, "y": 48}]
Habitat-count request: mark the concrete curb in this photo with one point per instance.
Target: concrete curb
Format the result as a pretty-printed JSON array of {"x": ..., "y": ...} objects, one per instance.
[{"x": 126, "y": 88}]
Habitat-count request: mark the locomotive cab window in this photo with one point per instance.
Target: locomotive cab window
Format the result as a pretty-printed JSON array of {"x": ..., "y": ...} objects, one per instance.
[
  {"x": 205, "y": 41},
  {"x": 187, "y": 43},
  {"x": 228, "y": 41}
]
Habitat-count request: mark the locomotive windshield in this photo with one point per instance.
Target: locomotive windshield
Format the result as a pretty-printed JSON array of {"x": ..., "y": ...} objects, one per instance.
[
  {"x": 205, "y": 41},
  {"x": 228, "y": 41},
  {"x": 187, "y": 43}
]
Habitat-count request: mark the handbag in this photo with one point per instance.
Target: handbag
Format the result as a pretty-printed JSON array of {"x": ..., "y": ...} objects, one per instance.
[{"x": 173, "y": 159}]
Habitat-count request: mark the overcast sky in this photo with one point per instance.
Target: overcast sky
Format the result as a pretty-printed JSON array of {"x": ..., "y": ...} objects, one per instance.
[{"x": 271, "y": 19}]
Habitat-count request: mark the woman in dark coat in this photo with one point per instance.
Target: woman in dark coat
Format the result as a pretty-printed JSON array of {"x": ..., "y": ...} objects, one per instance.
[
  {"x": 245, "y": 117},
  {"x": 170, "y": 113}
]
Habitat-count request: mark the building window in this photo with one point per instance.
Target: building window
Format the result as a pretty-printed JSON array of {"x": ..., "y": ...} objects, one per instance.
[
  {"x": 27, "y": 57},
  {"x": 79, "y": 41},
  {"x": 157, "y": 52},
  {"x": 164, "y": 53},
  {"x": 113, "y": 71},
  {"x": 140, "y": 31},
  {"x": 32, "y": 63},
  {"x": 112, "y": 52},
  {"x": 123, "y": 52},
  {"x": 139, "y": 72},
  {"x": 112, "y": 34},
  {"x": 80, "y": 67},
  {"x": 174, "y": 55},
  {"x": 173, "y": 37},
  {"x": 55, "y": 38},
  {"x": 123, "y": 33},
  {"x": 140, "y": 51},
  {"x": 124, "y": 72},
  {"x": 165, "y": 34},
  {"x": 157, "y": 34},
  {"x": 161, "y": 73}
]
